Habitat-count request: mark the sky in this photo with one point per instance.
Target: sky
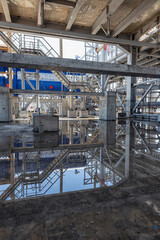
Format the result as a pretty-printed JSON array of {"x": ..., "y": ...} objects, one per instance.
[{"x": 71, "y": 48}]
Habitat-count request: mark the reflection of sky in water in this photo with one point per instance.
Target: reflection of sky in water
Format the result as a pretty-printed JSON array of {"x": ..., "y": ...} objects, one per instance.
[{"x": 92, "y": 173}]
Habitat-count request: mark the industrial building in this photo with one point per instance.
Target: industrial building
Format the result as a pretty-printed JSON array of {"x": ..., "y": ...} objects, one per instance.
[{"x": 79, "y": 119}]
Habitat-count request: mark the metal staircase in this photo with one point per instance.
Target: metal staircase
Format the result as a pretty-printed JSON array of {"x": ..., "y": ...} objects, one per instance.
[
  {"x": 28, "y": 44},
  {"x": 23, "y": 178},
  {"x": 44, "y": 176}
]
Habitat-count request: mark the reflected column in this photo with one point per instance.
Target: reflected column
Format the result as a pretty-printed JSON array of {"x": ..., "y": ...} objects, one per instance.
[
  {"x": 12, "y": 176},
  {"x": 70, "y": 134},
  {"x": 129, "y": 150},
  {"x": 61, "y": 178}
]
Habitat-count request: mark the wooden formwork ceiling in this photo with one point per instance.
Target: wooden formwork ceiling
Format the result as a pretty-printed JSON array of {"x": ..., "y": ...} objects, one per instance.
[{"x": 82, "y": 15}]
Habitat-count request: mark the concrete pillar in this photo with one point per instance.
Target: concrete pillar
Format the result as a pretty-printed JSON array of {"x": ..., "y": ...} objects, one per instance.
[
  {"x": 83, "y": 103},
  {"x": 5, "y": 105},
  {"x": 23, "y": 85},
  {"x": 12, "y": 176},
  {"x": 10, "y": 69},
  {"x": 10, "y": 78},
  {"x": 103, "y": 77},
  {"x": 61, "y": 47},
  {"x": 131, "y": 91},
  {"x": 107, "y": 134},
  {"x": 61, "y": 178},
  {"x": 102, "y": 168},
  {"x": 71, "y": 134},
  {"x": 83, "y": 133},
  {"x": 71, "y": 100},
  {"x": 129, "y": 150},
  {"x": 107, "y": 106},
  {"x": 37, "y": 88}
]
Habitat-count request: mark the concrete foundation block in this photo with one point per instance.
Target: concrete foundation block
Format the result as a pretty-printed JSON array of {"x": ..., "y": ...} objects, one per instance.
[
  {"x": 107, "y": 106},
  {"x": 45, "y": 123},
  {"x": 83, "y": 114},
  {"x": 23, "y": 114},
  {"x": 71, "y": 114},
  {"x": 5, "y": 105}
]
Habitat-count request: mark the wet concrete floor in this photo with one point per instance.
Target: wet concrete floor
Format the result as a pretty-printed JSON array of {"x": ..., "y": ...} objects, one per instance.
[{"x": 91, "y": 180}]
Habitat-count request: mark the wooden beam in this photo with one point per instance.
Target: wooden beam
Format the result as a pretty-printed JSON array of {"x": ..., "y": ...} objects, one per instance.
[
  {"x": 6, "y": 11},
  {"x": 62, "y": 2},
  {"x": 73, "y": 14},
  {"x": 108, "y": 11},
  {"x": 137, "y": 12},
  {"x": 40, "y": 21}
]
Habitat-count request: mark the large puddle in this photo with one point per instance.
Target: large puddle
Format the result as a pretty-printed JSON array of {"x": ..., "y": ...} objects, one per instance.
[{"x": 82, "y": 155}]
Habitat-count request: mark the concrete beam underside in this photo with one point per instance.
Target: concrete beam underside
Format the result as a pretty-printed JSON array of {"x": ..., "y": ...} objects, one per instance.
[
  {"x": 79, "y": 66},
  {"x": 55, "y": 93},
  {"x": 82, "y": 34}
]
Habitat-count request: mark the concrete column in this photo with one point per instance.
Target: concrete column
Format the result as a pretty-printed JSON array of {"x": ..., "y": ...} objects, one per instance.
[
  {"x": 12, "y": 176},
  {"x": 38, "y": 163},
  {"x": 71, "y": 134},
  {"x": 23, "y": 85},
  {"x": 37, "y": 88},
  {"x": 107, "y": 106},
  {"x": 102, "y": 168},
  {"x": 5, "y": 105},
  {"x": 61, "y": 47},
  {"x": 10, "y": 69},
  {"x": 61, "y": 178},
  {"x": 83, "y": 103},
  {"x": 129, "y": 150},
  {"x": 103, "y": 77},
  {"x": 131, "y": 91},
  {"x": 83, "y": 133},
  {"x": 71, "y": 100},
  {"x": 10, "y": 78}
]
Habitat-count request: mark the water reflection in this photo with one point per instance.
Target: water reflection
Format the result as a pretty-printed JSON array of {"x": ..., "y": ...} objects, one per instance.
[{"x": 83, "y": 155}]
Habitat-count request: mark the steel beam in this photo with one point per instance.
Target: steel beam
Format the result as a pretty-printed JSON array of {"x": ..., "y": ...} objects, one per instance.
[
  {"x": 137, "y": 12},
  {"x": 55, "y": 93},
  {"x": 108, "y": 11},
  {"x": 144, "y": 95},
  {"x": 73, "y": 14},
  {"x": 79, "y": 66},
  {"x": 121, "y": 102},
  {"x": 6, "y": 11},
  {"x": 73, "y": 35}
]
